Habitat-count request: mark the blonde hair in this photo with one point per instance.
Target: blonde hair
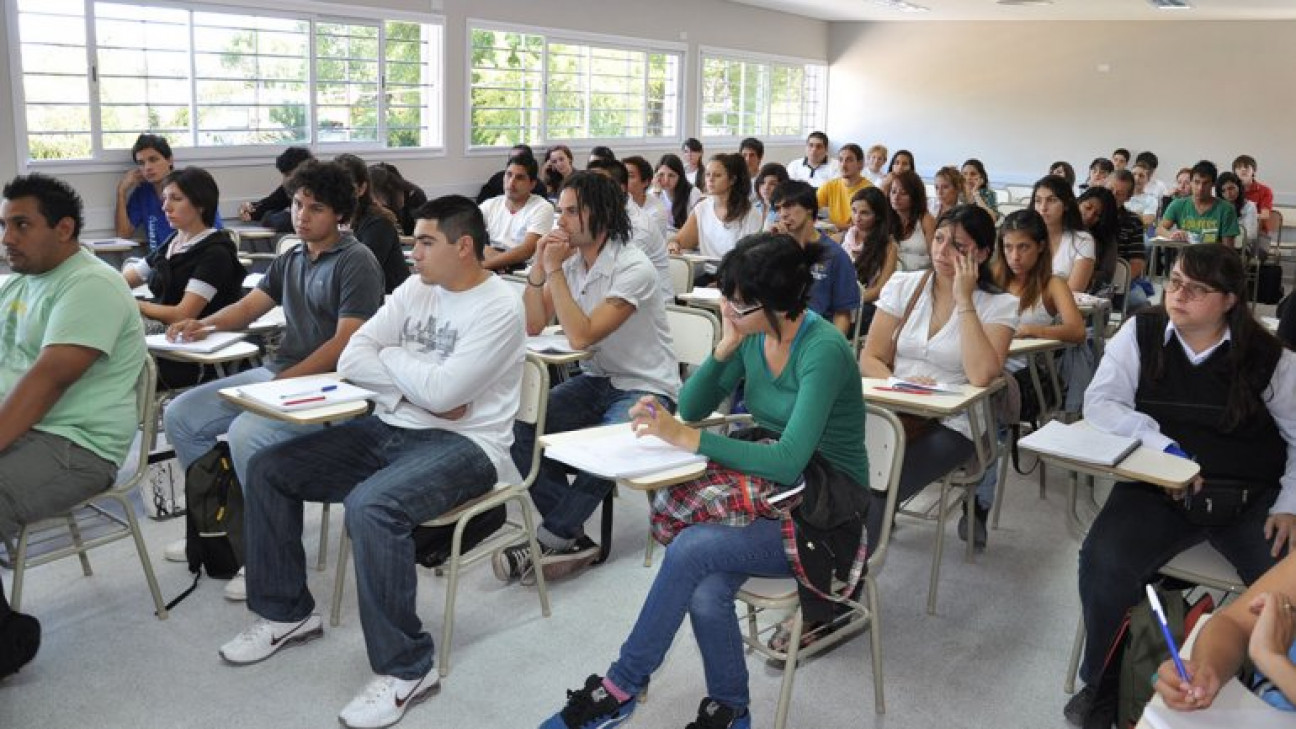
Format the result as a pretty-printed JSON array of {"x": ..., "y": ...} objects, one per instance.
[{"x": 879, "y": 148}]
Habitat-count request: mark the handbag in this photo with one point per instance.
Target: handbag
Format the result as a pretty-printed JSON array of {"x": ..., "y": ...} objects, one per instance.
[
  {"x": 1219, "y": 502},
  {"x": 914, "y": 425}
]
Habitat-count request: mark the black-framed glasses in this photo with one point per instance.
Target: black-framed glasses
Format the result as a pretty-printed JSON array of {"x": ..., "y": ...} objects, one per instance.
[
  {"x": 1192, "y": 290},
  {"x": 741, "y": 311}
]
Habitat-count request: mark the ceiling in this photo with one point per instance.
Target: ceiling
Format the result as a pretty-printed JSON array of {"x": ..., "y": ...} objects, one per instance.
[{"x": 869, "y": 10}]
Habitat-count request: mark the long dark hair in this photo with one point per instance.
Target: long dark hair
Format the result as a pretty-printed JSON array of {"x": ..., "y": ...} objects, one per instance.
[
  {"x": 365, "y": 203},
  {"x": 1225, "y": 178},
  {"x": 770, "y": 269},
  {"x": 1253, "y": 350},
  {"x": 1104, "y": 232},
  {"x": 873, "y": 249},
  {"x": 738, "y": 201},
  {"x": 699, "y": 179},
  {"x": 1062, "y": 190},
  {"x": 980, "y": 226},
  {"x": 605, "y": 202},
  {"x": 680, "y": 195},
  {"x": 917, "y": 191},
  {"x": 770, "y": 168},
  {"x": 1037, "y": 279}
]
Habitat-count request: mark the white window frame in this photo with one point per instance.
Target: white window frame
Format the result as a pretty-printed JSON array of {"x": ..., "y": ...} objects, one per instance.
[
  {"x": 554, "y": 35},
  {"x": 729, "y": 54},
  {"x": 236, "y": 155}
]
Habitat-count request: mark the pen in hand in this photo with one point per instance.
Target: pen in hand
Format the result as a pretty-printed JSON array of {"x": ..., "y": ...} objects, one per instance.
[
  {"x": 189, "y": 336},
  {"x": 1159, "y": 612}
]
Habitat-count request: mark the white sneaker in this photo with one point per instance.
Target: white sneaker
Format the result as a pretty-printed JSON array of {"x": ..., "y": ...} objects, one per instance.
[
  {"x": 384, "y": 701},
  {"x": 264, "y": 638},
  {"x": 236, "y": 588},
  {"x": 175, "y": 551}
]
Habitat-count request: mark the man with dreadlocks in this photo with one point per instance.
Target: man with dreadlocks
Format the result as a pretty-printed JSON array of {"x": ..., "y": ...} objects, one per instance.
[{"x": 606, "y": 296}]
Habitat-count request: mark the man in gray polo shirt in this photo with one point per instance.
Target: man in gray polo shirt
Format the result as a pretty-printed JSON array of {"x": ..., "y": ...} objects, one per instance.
[{"x": 328, "y": 286}]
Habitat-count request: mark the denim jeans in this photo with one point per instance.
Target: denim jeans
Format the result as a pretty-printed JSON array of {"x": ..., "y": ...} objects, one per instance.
[
  {"x": 391, "y": 480},
  {"x": 195, "y": 419},
  {"x": 1138, "y": 530},
  {"x": 581, "y": 402},
  {"x": 703, "y": 570}
]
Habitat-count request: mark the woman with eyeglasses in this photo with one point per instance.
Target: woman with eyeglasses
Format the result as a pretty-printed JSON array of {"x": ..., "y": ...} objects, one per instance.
[
  {"x": 1199, "y": 378},
  {"x": 802, "y": 390},
  {"x": 950, "y": 325}
]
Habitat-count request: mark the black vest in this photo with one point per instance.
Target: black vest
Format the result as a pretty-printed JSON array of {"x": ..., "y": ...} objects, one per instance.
[{"x": 1189, "y": 403}]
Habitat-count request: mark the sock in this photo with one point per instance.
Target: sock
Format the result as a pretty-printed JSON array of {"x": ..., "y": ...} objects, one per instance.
[{"x": 616, "y": 692}]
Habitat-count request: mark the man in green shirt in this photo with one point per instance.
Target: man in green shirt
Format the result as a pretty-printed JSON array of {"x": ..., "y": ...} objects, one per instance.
[
  {"x": 1201, "y": 217},
  {"x": 73, "y": 348}
]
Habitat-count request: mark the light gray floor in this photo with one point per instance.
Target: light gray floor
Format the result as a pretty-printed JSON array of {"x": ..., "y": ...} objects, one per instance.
[{"x": 993, "y": 656}]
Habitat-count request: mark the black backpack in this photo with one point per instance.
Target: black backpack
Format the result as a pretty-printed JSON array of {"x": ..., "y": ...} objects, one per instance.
[
  {"x": 432, "y": 544},
  {"x": 213, "y": 518}
]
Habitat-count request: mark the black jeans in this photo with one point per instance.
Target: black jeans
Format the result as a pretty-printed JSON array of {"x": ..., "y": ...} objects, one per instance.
[
  {"x": 1139, "y": 530},
  {"x": 933, "y": 454}
]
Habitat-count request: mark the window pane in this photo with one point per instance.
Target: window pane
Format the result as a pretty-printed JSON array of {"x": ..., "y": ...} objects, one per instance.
[
  {"x": 507, "y": 81},
  {"x": 143, "y": 58},
  {"x": 346, "y": 82},
  {"x": 55, "y": 80},
  {"x": 413, "y": 114},
  {"x": 742, "y": 98}
]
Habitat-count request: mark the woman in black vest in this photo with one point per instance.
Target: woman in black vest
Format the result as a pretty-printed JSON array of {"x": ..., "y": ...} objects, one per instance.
[
  {"x": 1198, "y": 378},
  {"x": 195, "y": 272}
]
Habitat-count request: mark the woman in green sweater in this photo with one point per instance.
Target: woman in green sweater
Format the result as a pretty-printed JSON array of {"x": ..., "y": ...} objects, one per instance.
[{"x": 802, "y": 388}]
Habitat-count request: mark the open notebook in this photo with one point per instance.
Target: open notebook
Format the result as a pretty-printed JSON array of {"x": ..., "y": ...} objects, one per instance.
[
  {"x": 1080, "y": 442},
  {"x": 213, "y": 342},
  {"x": 622, "y": 455},
  {"x": 304, "y": 393}
]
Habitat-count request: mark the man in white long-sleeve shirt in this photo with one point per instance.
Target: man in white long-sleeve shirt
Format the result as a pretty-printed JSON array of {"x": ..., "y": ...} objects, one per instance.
[{"x": 445, "y": 357}]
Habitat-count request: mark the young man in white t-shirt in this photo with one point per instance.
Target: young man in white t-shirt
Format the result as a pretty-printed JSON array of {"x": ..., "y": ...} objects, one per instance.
[
  {"x": 516, "y": 219},
  {"x": 606, "y": 296},
  {"x": 439, "y": 436},
  {"x": 816, "y": 167}
]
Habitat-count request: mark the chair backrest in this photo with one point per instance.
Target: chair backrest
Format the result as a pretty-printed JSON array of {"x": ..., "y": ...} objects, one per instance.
[
  {"x": 885, "y": 442},
  {"x": 286, "y": 242},
  {"x": 1275, "y": 226},
  {"x": 146, "y": 412},
  {"x": 1121, "y": 283},
  {"x": 859, "y": 321},
  {"x": 1002, "y": 195},
  {"x": 534, "y": 408},
  {"x": 234, "y": 236},
  {"x": 1020, "y": 193},
  {"x": 681, "y": 274},
  {"x": 694, "y": 333}
]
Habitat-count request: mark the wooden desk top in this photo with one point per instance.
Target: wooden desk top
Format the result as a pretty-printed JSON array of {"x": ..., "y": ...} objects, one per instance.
[
  {"x": 936, "y": 406},
  {"x": 1031, "y": 345},
  {"x": 253, "y": 233},
  {"x": 234, "y": 352},
  {"x": 1144, "y": 464},
  {"x": 311, "y": 416}
]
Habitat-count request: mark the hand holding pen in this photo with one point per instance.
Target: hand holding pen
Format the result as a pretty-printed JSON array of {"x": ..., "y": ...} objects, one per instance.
[{"x": 188, "y": 330}]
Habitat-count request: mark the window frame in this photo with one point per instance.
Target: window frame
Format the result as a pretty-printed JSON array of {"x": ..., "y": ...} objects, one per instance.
[
  {"x": 112, "y": 160},
  {"x": 575, "y": 37},
  {"x": 766, "y": 59}
]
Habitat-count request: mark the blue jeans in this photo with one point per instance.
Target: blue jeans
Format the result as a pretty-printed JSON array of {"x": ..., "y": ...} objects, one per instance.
[
  {"x": 1138, "y": 530},
  {"x": 391, "y": 480},
  {"x": 581, "y": 402},
  {"x": 702, "y": 572},
  {"x": 195, "y": 419}
]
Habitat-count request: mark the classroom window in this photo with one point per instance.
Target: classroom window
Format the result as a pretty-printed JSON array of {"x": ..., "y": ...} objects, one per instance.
[
  {"x": 97, "y": 74},
  {"x": 534, "y": 88},
  {"x": 743, "y": 97}
]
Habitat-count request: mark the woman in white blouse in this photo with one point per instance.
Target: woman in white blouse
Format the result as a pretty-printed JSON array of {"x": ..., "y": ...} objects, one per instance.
[
  {"x": 726, "y": 214},
  {"x": 912, "y": 226},
  {"x": 956, "y": 332},
  {"x": 1072, "y": 249},
  {"x": 1229, "y": 189}
]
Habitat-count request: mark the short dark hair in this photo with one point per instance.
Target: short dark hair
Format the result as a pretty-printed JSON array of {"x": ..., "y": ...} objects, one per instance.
[
  {"x": 778, "y": 171},
  {"x": 200, "y": 188},
  {"x": 605, "y": 201},
  {"x": 1205, "y": 168},
  {"x": 526, "y": 149},
  {"x": 151, "y": 141},
  {"x": 55, "y": 199},
  {"x": 1102, "y": 164},
  {"x": 457, "y": 216},
  {"x": 820, "y": 136},
  {"x": 1245, "y": 160},
  {"x": 1124, "y": 176},
  {"x": 603, "y": 152},
  {"x": 527, "y": 161},
  {"x": 854, "y": 149},
  {"x": 896, "y": 156},
  {"x": 771, "y": 269},
  {"x": 1068, "y": 172},
  {"x": 615, "y": 169},
  {"x": 754, "y": 145},
  {"x": 795, "y": 192},
  {"x": 288, "y": 159},
  {"x": 1121, "y": 151},
  {"x": 1149, "y": 159},
  {"x": 692, "y": 145},
  {"x": 328, "y": 182},
  {"x": 641, "y": 165}
]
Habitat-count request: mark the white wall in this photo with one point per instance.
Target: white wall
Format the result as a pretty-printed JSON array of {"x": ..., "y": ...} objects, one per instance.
[
  {"x": 706, "y": 22},
  {"x": 1020, "y": 95}
]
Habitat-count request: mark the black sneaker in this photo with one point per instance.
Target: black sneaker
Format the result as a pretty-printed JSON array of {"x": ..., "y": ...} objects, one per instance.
[
  {"x": 1089, "y": 709},
  {"x": 559, "y": 563},
  {"x": 20, "y": 637},
  {"x": 512, "y": 563},
  {"x": 591, "y": 707},
  {"x": 714, "y": 715},
  {"x": 979, "y": 533}
]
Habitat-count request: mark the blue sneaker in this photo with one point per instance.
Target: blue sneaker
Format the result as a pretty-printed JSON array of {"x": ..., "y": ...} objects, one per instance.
[
  {"x": 591, "y": 708},
  {"x": 714, "y": 715}
]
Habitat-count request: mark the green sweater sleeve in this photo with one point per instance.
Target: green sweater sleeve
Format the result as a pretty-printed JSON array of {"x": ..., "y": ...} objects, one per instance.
[
  {"x": 820, "y": 379},
  {"x": 710, "y": 385}
]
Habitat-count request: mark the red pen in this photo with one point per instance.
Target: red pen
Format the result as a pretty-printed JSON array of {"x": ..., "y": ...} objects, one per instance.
[
  {"x": 903, "y": 390},
  {"x": 304, "y": 400}
]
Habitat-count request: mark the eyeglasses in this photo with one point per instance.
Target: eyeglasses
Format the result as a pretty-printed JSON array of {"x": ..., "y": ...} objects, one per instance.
[
  {"x": 741, "y": 311},
  {"x": 1192, "y": 291}
]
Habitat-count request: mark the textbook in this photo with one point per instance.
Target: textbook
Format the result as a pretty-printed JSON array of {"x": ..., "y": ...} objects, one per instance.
[
  {"x": 304, "y": 393},
  {"x": 1080, "y": 442},
  {"x": 623, "y": 455},
  {"x": 213, "y": 342}
]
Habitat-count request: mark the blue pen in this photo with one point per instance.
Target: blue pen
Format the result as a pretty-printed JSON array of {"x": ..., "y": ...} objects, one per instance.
[
  {"x": 326, "y": 388},
  {"x": 1165, "y": 631}
]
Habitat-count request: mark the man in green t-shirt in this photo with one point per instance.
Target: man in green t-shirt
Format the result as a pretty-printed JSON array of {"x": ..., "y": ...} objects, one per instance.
[
  {"x": 73, "y": 348},
  {"x": 1201, "y": 217}
]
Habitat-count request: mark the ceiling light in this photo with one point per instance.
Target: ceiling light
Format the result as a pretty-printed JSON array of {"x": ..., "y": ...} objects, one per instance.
[
  {"x": 903, "y": 6},
  {"x": 1171, "y": 4}
]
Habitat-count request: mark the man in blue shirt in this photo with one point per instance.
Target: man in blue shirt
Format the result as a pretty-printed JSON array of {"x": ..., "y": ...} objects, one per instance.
[
  {"x": 139, "y": 193},
  {"x": 835, "y": 295}
]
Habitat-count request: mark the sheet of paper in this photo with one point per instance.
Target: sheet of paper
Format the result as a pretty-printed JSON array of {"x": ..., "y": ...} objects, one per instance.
[
  {"x": 213, "y": 342},
  {"x": 1162, "y": 717},
  {"x": 623, "y": 455},
  {"x": 304, "y": 393},
  {"x": 550, "y": 344}
]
